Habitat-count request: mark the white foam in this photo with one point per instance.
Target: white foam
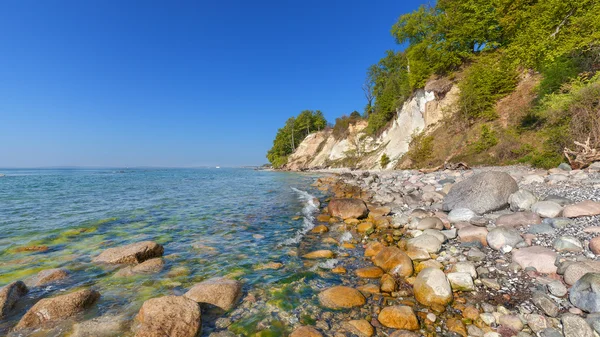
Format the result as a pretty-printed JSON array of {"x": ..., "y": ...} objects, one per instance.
[{"x": 308, "y": 213}]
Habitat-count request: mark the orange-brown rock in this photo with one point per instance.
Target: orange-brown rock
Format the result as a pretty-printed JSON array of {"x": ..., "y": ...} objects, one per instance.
[
  {"x": 320, "y": 229},
  {"x": 347, "y": 208},
  {"x": 398, "y": 317},
  {"x": 175, "y": 316},
  {"x": 319, "y": 254},
  {"x": 341, "y": 297},
  {"x": 387, "y": 283},
  {"x": 373, "y": 248},
  {"x": 133, "y": 253},
  {"x": 360, "y": 327},
  {"x": 394, "y": 261},
  {"x": 369, "y": 272}
]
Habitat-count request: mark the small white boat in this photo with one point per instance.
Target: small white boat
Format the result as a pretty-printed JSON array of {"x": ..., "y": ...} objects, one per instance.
[{"x": 218, "y": 167}]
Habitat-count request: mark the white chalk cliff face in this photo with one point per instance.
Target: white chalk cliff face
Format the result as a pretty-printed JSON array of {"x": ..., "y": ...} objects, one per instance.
[{"x": 421, "y": 113}]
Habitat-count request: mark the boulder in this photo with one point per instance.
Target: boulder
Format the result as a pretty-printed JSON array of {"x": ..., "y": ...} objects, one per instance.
[
  {"x": 51, "y": 275},
  {"x": 460, "y": 215},
  {"x": 398, "y": 317},
  {"x": 429, "y": 243},
  {"x": 430, "y": 223},
  {"x": 576, "y": 270},
  {"x": 547, "y": 209},
  {"x": 595, "y": 245},
  {"x": 575, "y": 326},
  {"x": 306, "y": 331},
  {"x": 461, "y": 281},
  {"x": 58, "y": 308},
  {"x": 501, "y": 237},
  {"x": 103, "y": 326},
  {"x": 432, "y": 289},
  {"x": 567, "y": 243},
  {"x": 169, "y": 316},
  {"x": 540, "y": 258},
  {"x": 473, "y": 234},
  {"x": 481, "y": 193},
  {"x": 465, "y": 267},
  {"x": 9, "y": 295},
  {"x": 341, "y": 297},
  {"x": 133, "y": 253},
  {"x": 585, "y": 293},
  {"x": 518, "y": 219},
  {"x": 394, "y": 261},
  {"x": 522, "y": 200},
  {"x": 545, "y": 303},
  {"x": 584, "y": 208},
  {"x": 348, "y": 208},
  {"x": 220, "y": 292}
]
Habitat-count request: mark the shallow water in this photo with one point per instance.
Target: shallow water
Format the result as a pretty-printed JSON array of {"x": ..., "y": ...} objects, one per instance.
[{"x": 212, "y": 222}]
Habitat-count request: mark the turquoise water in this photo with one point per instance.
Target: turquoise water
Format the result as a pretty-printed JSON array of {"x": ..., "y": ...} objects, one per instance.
[{"x": 212, "y": 222}]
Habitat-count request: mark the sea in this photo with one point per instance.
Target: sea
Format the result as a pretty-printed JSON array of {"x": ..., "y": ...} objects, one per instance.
[{"x": 227, "y": 222}]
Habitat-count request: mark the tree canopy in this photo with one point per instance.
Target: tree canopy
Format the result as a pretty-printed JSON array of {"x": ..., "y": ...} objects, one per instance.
[{"x": 293, "y": 133}]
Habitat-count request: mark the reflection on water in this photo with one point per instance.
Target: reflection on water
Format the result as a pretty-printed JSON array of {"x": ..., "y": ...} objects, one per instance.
[{"x": 211, "y": 223}]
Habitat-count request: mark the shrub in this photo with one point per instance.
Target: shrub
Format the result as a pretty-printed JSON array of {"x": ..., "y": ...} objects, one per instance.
[
  {"x": 420, "y": 149},
  {"x": 340, "y": 129},
  {"x": 487, "y": 139},
  {"x": 487, "y": 80},
  {"x": 385, "y": 161}
]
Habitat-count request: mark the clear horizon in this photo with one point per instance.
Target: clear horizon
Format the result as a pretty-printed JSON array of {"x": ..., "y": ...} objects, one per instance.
[{"x": 186, "y": 84}]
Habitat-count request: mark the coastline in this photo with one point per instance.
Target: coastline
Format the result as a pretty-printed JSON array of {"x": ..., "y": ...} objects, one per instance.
[{"x": 492, "y": 293}]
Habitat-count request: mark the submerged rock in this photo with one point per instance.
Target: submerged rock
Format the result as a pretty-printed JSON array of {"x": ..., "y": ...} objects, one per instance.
[
  {"x": 306, "y": 331},
  {"x": 51, "y": 275},
  {"x": 361, "y": 327},
  {"x": 341, "y": 297},
  {"x": 319, "y": 254},
  {"x": 54, "y": 309},
  {"x": 169, "y": 316},
  {"x": 9, "y": 295},
  {"x": 481, "y": 193},
  {"x": 220, "y": 292},
  {"x": 348, "y": 208},
  {"x": 133, "y": 253},
  {"x": 398, "y": 317}
]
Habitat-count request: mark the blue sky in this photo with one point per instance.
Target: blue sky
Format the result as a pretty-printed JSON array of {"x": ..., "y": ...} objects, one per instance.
[{"x": 177, "y": 83}]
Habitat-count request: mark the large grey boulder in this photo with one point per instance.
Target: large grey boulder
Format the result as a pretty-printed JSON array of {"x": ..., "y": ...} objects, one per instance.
[
  {"x": 481, "y": 193},
  {"x": 585, "y": 293}
]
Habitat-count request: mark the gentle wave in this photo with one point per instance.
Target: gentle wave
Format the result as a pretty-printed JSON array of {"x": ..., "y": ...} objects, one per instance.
[{"x": 308, "y": 213}]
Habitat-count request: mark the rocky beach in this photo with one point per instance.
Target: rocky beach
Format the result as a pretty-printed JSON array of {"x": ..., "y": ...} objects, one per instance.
[
  {"x": 494, "y": 251},
  {"x": 502, "y": 251}
]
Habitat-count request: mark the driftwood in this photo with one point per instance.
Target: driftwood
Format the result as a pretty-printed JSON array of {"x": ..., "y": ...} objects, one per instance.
[
  {"x": 447, "y": 166},
  {"x": 584, "y": 157}
]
